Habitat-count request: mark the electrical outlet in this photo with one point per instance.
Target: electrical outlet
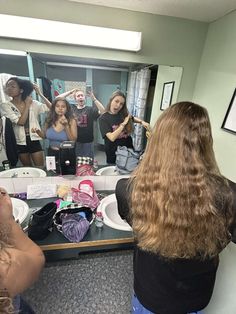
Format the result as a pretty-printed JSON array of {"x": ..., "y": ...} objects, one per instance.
[{"x": 50, "y": 163}]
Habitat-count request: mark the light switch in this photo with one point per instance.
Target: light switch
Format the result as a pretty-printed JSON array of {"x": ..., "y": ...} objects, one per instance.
[{"x": 50, "y": 163}]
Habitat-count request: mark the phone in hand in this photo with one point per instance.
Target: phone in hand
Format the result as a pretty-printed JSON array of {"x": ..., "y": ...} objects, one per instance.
[{"x": 88, "y": 89}]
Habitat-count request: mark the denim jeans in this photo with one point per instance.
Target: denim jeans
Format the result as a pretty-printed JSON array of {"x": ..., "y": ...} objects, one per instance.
[
  {"x": 138, "y": 308},
  {"x": 84, "y": 149}
]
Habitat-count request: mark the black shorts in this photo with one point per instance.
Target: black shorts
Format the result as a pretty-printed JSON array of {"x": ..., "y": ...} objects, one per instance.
[{"x": 30, "y": 147}]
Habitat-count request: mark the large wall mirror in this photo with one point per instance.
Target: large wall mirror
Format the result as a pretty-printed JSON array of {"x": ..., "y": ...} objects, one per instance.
[{"x": 105, "y": 76}]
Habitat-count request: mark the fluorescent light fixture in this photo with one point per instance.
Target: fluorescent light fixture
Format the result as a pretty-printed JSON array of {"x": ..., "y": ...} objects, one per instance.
[
  {"x": 68, "y": 33},
  {"x": 86, "y": 66},
  {"x": 12, "y": 52}
]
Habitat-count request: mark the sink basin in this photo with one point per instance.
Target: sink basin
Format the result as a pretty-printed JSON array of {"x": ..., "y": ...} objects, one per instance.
[
  {"x": 20, "y": 209},
  {"x": 107, "y": 171},
  {"x": 108, "y": 207},
  {"x": 23, "y": 172}
]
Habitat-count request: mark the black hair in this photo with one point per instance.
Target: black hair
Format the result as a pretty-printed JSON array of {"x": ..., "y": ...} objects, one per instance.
[{"x": 26, "y": 86}]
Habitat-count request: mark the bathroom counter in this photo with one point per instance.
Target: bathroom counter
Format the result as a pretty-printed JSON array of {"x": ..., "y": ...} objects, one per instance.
[{"x": 56, "y": 246}]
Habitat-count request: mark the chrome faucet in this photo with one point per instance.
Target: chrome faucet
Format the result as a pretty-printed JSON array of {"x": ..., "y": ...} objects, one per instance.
[{"x": 14, "y": 175}]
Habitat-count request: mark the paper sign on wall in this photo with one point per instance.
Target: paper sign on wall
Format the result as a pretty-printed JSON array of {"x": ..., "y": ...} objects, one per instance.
[{"x": 35, "y": 191}]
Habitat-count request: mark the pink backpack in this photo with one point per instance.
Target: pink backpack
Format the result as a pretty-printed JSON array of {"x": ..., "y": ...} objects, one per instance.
[{"x": 86, "y": 194}]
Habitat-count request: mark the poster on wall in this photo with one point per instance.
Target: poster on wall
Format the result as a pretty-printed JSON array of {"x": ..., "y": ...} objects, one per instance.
[
  {"x": 229, "y": 123},
  {"x": 167, "y": 94}
]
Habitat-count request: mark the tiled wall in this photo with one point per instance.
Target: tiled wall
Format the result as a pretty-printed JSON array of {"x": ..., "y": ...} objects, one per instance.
[{"x": 19, "y": 185}]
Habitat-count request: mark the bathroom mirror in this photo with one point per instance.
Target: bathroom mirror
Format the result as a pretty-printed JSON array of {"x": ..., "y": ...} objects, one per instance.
[{"x": 105, "y": 76}]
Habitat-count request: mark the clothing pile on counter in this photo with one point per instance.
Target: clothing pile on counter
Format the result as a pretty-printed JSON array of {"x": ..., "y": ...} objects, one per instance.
[{"x": 72, "y": 219}]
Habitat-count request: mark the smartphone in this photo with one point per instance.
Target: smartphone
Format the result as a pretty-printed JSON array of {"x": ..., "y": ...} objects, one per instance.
[{"x": 88, "y": 89}]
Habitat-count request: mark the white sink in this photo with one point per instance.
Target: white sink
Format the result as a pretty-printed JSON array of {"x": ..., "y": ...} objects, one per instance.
[
  {"x": 23, "y": 172},
  {"x": 108, "y": 207},
  {"x": 20, "y": 209},
  {"x": 107, "y": 171}
]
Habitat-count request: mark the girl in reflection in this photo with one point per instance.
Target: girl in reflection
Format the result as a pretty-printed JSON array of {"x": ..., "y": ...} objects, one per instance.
[
  {"x": 85, "y": 117},
  {"x": 183, "y": 214},
  {"x": 60, "y": 126},
  {"x": 21, "y": 260},
  {"x": 116, "y": 125},
  {"x": 24, "y": 113}
]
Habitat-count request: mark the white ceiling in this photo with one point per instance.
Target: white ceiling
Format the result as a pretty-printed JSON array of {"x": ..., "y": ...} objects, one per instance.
[{"x": 199, "y": 10}]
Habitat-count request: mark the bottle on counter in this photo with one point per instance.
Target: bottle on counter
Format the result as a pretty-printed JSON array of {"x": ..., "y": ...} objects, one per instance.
[
  {"x": 69, "y": 196},
  {"x": 6, "y": 165},
  {"x": 99, "y": 219}
]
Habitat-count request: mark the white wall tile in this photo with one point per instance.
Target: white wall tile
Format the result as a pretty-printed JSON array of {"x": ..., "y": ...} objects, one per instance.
[
  {"x": 8, "y": 185},
  {"x": 20, "y": 184},
  {"x": 110, "y": 181}
]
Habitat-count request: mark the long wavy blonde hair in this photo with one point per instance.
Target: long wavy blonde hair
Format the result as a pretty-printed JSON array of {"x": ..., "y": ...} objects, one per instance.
[{"x": 181, "y": 205}]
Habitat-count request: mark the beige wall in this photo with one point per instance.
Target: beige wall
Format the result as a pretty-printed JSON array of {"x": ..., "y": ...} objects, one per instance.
[
  {"x": 166, "y": 40},
  {"x": 215, "y": 86}
]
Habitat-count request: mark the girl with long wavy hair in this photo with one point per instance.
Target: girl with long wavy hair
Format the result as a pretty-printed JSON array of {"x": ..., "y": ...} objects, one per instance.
[
  {"x": 60, "y": 126},
  {"x": 182, "y": 211},
  {"x": 16, "y": 251},
  {"x": 116, "y": 125}
]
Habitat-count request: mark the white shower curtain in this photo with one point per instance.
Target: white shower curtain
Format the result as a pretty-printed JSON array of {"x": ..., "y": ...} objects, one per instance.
[{"x": 138, "y": 85}]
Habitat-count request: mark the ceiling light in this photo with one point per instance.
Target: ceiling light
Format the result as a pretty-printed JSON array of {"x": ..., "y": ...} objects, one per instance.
[
  {"x": 68, "y": 33},
  {"x": 87, "y": 66},
  {"x": 12, "y": 52}
]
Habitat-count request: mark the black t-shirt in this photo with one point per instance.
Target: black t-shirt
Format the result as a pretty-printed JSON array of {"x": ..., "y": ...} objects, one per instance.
[
  {"x": 168, "y": 286},
  {"x": 109, "y": 123},
  {"x": 85, "y": 118}
]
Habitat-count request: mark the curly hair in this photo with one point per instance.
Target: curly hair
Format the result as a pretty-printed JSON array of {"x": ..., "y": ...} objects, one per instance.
[
  {"x": 6, "y": 304},
  {"x": 53, "y": 117},
  {"x": 181, "y": 204},
  {"x": 26, "y": 86},
  {"x": 123, "y": 111}
]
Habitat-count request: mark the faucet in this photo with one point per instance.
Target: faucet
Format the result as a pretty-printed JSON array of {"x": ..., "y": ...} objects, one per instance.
[{"x": 14, "y": 175}]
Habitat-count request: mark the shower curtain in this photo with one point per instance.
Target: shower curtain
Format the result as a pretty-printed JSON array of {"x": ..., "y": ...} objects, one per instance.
[{"x": 138, "y": 85}]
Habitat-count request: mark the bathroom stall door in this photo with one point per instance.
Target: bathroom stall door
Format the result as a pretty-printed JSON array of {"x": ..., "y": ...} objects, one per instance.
[{"x": 103, "y": 93}]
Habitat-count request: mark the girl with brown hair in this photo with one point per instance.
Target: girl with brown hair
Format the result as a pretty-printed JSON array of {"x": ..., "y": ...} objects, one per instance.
[
  {"x": 182, "y": 211},
  {"x": 116, "y": 125},
  {"x": 60, "y": 126}
]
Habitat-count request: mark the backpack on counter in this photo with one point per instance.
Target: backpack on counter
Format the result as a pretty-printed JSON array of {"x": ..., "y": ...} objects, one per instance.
[{"x": 126, "y": 159}]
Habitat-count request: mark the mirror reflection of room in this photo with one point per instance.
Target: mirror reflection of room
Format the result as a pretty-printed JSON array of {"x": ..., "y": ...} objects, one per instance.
[{"x": 87, "y": 86}]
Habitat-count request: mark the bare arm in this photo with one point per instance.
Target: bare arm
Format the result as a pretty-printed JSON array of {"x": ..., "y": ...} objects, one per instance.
[
  {"x": 23, "y": 252},
  {"x": 146, "y": 125},
  {"x": 71, "y": 130},
  {"x": 112, "y": 136},
  {"x": 64, "y": 95},
  {"x": 38, "y": 91},
  {"x": 98, "y": 104}
]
